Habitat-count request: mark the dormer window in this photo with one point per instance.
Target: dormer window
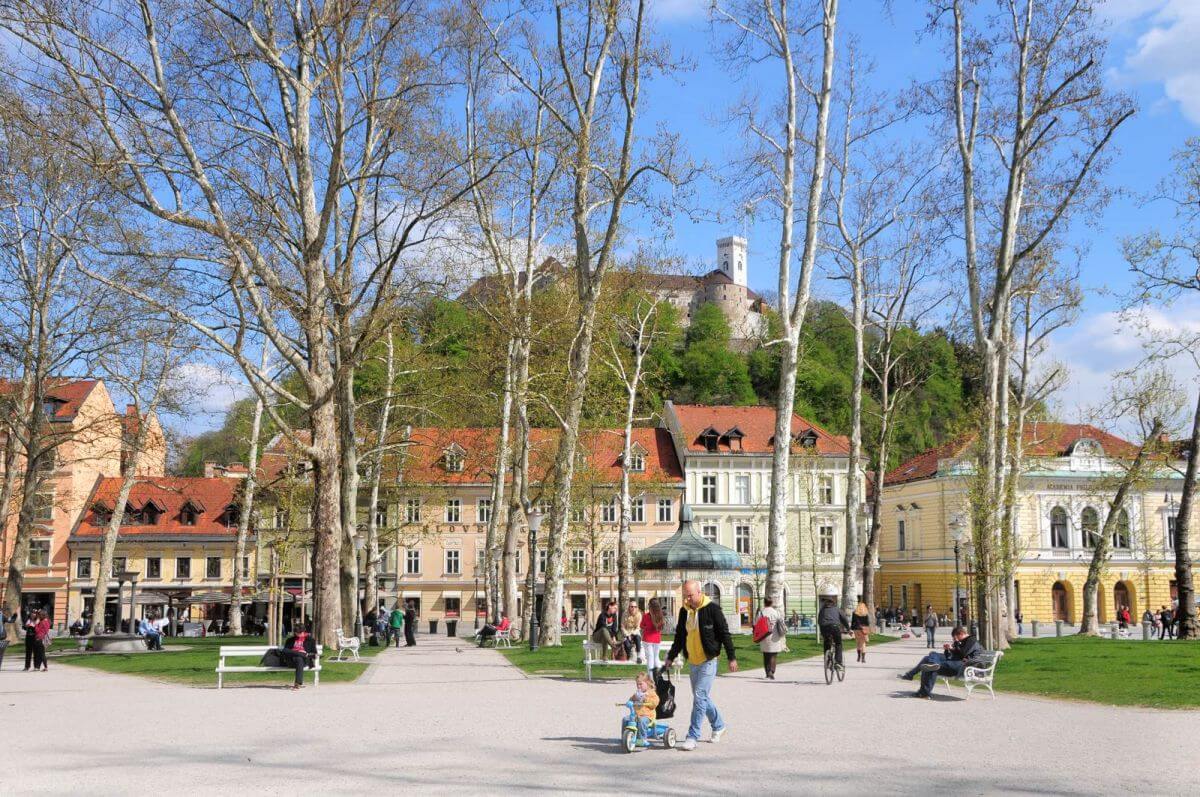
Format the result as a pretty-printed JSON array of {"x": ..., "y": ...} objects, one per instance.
[
  {"x": 806, "y": 439},
  {"x": 1086, "y": 447},
  {"x": 51, "y": 406},
  {"x": 455, "y": 458},
  {"x": 189, "y": 514},
  {"x": 734, "y": 437},
  {"x": 103, "y": 512},
  {"x": 232, "y": 515},
  {"x": 152, "y": 511},
  {"x": 709, "y": 438},
  {"x": 637, "y": 459}
]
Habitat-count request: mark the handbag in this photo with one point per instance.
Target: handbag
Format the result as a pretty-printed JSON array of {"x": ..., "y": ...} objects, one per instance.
[
  {"x": 762, "y": 628},
  {"x": 271, "y": 659},
  {"x": 666, "y": 694}
]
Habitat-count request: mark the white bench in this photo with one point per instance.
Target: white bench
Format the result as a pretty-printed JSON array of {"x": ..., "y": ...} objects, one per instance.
[
  {"x": 981, "y": 675},
  {"x": 258, "y": 651},
  {"x": 592, "y": 649},
  {"x": 347, "y": 645}
]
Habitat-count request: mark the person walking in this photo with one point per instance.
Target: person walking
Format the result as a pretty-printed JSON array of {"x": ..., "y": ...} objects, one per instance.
[
  {"x": 1167, "y": 618},
  {"x": 653, "y": 621},
  {"x": 700, "y": 633},
  {"x": 631, "y": 628},
  {"x": 776, "y": 639},
  {"x": 860, "y": 625},
  {"x": 931, "y": 623},
  {"x": 30, "y": 636},
  {"x": 410, "y": 625},
  {"x": 396, "y": 624},
  {"x": 41, "y": 632}
]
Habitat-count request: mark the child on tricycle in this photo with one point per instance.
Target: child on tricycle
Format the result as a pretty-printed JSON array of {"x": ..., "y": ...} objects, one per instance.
[{"x": 641, "y": 726}]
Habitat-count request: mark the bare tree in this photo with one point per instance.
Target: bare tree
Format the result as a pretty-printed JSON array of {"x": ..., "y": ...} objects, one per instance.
[
  {"x": 1029, "y": 85},
  {"x": 775, "y": 32},
  {"x": 287, "y": 158}
]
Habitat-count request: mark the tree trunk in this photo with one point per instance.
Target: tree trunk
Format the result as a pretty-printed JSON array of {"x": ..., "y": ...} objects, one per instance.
[
  {"x": 373, "y": 557},
  {"x": 328, "y": 535},
  {"x": 853, "y": 466},
  {"x": 246, "y": 514},
  {"x": 493, "y": 545},
  {"x": 1186, "y": 611},
  {"x": 872, "y": 547}
]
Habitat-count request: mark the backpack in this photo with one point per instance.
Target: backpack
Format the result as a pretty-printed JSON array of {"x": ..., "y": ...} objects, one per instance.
[
  {"x": 762, "y": 628},
  {"x": 666, "y": 694}
]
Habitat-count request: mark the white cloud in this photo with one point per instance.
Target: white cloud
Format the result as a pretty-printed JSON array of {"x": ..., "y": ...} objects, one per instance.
[
  {"x": 1104, "y": 344},
  {"x": 215, "y": 389},
  {"x": 1165, "y": 51},
  {"x": 673, "y": 10}
]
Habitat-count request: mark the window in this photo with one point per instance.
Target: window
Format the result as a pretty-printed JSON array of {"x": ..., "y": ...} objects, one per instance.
[
  {"x": 454, "y": 510},
  {"x": 1121, "y": 533},
  {"x": 212, "y": 567},
  {"x": 825, "y": 538},
  {"x": 608, "y": 512},
  {"x": 709, "y": 532},
  {"x": 608, "y": 561},
  {"x": 187, "y": 516},
  {"x": 50, "y": 407},
  {"x": 543, "y": 506},
  {"x": 1090, "y": 526},
  {"x": 47, "y": 462},
  {"x": 232, "y": 516},
  {"x": 380, "y": 516},
  {"x": 43, "y": 504},
  {"x": 245, "y": 567},
  {"x": 741, "y": 539},
  {"x": 517, "y": 561},
  {"x": 452, "y": 607},
  {"x": 480, "y": 564},
  {"x": 153, "y": 567},
  {"x": 637, "y": 510},
  {"x": 1058, "y": 528},
  {"x": 412, "y": 562},
  {"x": 741, "y": 488},
  {"x": 665, "y": 510},
  {"x": 183, "y": 567},
  {"x": 83, "y": 567},
  {"x": 904, "y": 596},
  {"x": 637, "y": 462},
  {"x": 542, "y": 560},
  {"x": 412, "y": 510},
  {"x": 483, "y": 510},
  {"x": 39, "y": 553},
  {"x": 578, "y": 560},
  {"x": 118, "y": 565},
  {"x": 576, "y": 514},
  {"x": 1172, "y": 531},
  {"x": 901, "y": 535},
  {"x": 453, "y": 562},
  {"x": 825, "y": 490},
  {"x": 708, "y": 489},
  {"x": 891, "y": 594},
  {"x": 454, "y": 460}
]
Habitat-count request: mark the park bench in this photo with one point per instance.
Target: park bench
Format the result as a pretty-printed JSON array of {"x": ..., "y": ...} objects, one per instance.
[
  {"x": 591, "y": 651},
  {"x": 979, "y": 673},
  {"x": 347, "y": 645},
  {"x": 258, "y": 651}
]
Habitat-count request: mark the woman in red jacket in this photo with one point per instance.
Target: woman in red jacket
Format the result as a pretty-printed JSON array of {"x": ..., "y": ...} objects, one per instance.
[
  {"x": 652, "y": 627},
  {"x": 41, "y": 630}
]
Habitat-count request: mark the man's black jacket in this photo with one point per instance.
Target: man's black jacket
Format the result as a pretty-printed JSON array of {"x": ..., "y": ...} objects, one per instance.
[{"x": 714, "y": 633}]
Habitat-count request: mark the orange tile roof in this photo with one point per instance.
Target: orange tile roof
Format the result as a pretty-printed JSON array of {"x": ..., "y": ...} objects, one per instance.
[
  {"x": 71, "y": 393},
  {"x": 757, "y": 425},
  {"x": 210, "y": 496},
  {"x": 1041, "y": 439}
]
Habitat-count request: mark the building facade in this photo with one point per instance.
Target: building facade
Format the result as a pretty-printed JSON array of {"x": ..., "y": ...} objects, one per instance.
[
  {"x": 1063, "y": 498},
  {"x": 88, "y": 439},
  {"x": 726, "y": 453}
]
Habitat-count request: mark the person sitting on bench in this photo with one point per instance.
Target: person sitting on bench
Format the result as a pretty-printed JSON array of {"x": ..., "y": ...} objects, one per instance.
[
  {"x": 299, "y": 651},
  {"x": 489, "y": 630},
  {"x": 950, "y": 663}
]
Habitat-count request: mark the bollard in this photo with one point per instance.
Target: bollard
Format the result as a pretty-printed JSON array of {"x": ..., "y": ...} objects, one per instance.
[
  {"x": 1145, "y": 630},
  {"x": 1113, "y": 631},
  {"x": 1058, "y": 627},
  {"x": 1035, "y": 628}
]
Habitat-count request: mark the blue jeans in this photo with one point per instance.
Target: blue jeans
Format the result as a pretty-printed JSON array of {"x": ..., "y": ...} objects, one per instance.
[
  {"x": 929, "y": 631},
  {"x": 948, "y": 668},
  {"x": 702, "y": 676}
]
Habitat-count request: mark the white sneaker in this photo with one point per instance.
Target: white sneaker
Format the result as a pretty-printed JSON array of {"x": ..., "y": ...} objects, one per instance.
[
  {"x": 687, "y": 744},
  {"x": 716, "y": 735}
]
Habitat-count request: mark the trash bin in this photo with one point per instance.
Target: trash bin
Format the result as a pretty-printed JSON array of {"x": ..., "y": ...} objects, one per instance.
[
  {"x": 433, "y": 626},
  {"x": 451, "y": 627}
]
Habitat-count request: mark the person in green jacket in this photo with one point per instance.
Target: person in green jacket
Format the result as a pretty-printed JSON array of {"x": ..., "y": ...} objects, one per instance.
[{"x": 396, "y": 624}]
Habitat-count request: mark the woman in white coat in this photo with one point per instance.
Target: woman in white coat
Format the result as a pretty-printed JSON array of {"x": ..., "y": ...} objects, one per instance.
[{"x": 775, "y": 642}]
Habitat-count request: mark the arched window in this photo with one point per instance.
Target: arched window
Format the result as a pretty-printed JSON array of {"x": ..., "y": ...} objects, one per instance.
[
  {"x": 1058, "y": 528},
  {"x": 1090, "y": 525},
  {"x": 1121, "y": 533}
]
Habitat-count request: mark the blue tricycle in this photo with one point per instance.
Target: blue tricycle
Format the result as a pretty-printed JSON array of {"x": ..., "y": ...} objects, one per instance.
[{"x": 631, "y": 731}]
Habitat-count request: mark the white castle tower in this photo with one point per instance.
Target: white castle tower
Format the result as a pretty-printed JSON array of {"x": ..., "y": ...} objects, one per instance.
[{"x": 731, "y": 258}]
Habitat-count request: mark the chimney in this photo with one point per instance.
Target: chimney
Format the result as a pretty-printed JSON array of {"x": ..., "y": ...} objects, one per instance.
[{"x": 210, "y": 470}]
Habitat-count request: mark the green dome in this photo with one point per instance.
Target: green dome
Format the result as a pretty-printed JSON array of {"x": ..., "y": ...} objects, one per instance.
[{"x": 687, "y": 550}]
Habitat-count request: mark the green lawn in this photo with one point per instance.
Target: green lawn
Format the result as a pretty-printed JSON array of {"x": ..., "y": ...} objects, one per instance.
[
  {"x": 196, "y": 665},
  {"x": 567, "y": 661},
  {"x": 1116, "y": 672}
]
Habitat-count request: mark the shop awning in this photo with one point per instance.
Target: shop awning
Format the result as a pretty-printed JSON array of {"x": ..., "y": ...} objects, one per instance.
[
  {"x": 451, "y": 593},
  {"x": 411, "y": 593}
]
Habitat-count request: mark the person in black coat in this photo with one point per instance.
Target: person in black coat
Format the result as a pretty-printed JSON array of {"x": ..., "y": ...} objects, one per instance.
[
  {"x": 410, "y": 625},
  {"x": 949, "y": 663},
  {"x": 299, "y": 651}
]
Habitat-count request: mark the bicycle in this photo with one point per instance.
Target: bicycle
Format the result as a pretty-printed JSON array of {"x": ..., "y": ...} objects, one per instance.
[{"x": 832, "y": 667}]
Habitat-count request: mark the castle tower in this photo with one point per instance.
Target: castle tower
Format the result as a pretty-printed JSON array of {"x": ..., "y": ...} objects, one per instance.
[{"x": 731, "y": 258}]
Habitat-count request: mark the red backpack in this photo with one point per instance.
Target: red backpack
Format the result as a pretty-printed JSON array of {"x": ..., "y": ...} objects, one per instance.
[{"x": 762, "y": 628}]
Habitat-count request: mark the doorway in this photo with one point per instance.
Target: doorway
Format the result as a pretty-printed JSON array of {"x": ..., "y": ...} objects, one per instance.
[{"x": 1060, "y": 600}]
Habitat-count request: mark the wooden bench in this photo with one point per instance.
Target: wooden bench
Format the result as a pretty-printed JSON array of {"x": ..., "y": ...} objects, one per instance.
[
  {"x": 592, "y": 649},
  {"x": 258, "y": 651},
  {"x": 980, "y": 673}
]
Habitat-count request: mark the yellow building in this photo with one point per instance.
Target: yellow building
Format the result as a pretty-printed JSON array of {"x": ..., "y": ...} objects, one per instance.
[{"x": 1062, "y": 498}]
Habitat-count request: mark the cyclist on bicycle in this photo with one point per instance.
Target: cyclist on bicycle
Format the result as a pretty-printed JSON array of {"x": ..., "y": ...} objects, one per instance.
[{"x": 831, "y": 622}]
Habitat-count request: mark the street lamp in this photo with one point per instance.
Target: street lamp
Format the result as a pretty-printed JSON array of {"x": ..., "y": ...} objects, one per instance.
[
  {"x": 968, "y": 551},
  {"x": 476, "y": 602},
  {"x": 359, "y": 543},
  {"x": 533, "y": 519},
  {"x": 958, "y": 530}
]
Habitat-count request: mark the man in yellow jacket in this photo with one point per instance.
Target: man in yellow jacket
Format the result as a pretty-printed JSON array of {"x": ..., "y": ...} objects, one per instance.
[{"x": 700, "y": 633}]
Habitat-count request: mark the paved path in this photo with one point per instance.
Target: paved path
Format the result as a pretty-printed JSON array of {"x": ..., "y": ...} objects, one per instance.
[{"x": 439, "y": 721}]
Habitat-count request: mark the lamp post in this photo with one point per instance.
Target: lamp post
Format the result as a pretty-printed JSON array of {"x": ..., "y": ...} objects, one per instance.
[
  {"x": 968, "y": 550},
  {"x": 359, "y": 543},
  {"x": 476, "y": 602},
  {"x": 533, "y": 519},
  {"x": 957, "y": 530}
]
